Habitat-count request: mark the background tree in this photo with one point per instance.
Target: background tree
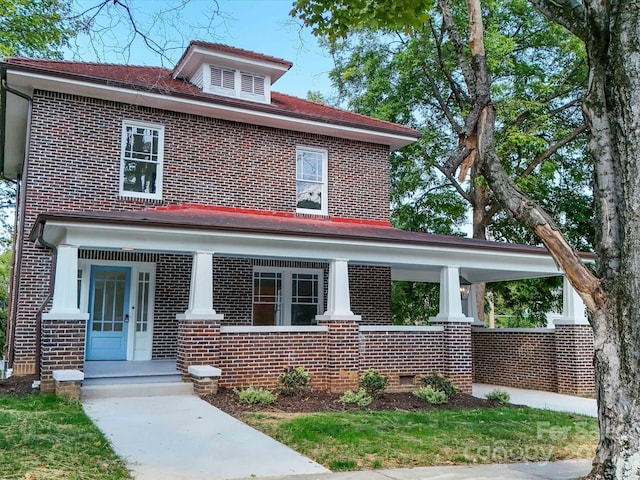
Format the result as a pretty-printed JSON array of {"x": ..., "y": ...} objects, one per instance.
[
  {"x": 611, "y": 34},
  {"x": 411, "y": 76}
]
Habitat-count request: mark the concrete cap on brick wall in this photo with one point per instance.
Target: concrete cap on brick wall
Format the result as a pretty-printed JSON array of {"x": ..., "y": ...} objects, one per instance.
[
  {"x": 203, "y": 371},
  {"x": 68, "y": 375}
]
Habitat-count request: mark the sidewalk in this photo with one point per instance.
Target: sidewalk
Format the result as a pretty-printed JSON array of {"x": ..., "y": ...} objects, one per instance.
[
  {"x": 516, "y": 471},
  {"x": 540, "y": 399}
]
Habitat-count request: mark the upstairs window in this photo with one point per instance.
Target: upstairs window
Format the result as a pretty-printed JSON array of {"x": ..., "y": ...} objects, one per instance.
[
  {"x": 223, "y": 78},
  {"x": 141, "y": 160},
  {"x": 311, "y": 180}
]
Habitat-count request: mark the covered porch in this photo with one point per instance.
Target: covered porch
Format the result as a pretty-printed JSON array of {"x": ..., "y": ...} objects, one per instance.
[{"x": 336, "y": 345}]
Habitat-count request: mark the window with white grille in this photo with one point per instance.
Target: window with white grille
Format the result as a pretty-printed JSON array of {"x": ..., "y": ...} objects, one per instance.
[{"x": 141, "y": 160}]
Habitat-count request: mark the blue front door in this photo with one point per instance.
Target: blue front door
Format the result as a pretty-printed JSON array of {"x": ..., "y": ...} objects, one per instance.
[{"x": 108, "y": 313}]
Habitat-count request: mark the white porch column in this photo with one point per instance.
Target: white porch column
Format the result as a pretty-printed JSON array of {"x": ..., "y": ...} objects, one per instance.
[
  {"x": 65, "y": 288},
  {"x": 338, "y": 301},
  {"x": 201, "y": 290},
  {"x": 574, "y": 311},
  {"x": 472, "y": 306},
  {"x": 450, "y": 303}
]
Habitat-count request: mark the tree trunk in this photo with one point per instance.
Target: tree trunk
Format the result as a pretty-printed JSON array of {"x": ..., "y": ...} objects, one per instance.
[
  {"x": 479, "y": 201},
  {"x": 612, "y": 111}
]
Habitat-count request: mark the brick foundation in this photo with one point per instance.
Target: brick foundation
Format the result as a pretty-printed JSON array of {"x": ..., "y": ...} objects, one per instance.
[
  {"x": 198, "y": 344},
  {"x": 574, "y": 359},
  {"x": 456, "y": 355},
  {"x": 343, "y": 354},
  {"x": 63, "y": 344}
]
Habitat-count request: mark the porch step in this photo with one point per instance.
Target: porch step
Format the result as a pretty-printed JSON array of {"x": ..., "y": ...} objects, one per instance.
[
  {"x": 88, "y": 392},
  {"x": 123, "y": 379}
]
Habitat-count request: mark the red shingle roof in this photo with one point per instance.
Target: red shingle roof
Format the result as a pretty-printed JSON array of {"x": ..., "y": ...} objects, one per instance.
[{"x": 159, "y": 80}]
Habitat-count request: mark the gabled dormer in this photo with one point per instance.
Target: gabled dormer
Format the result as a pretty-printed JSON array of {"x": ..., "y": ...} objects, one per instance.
[{"x": 233, "y": 72}]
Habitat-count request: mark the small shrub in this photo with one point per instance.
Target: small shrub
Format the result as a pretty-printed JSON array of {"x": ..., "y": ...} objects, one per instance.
[
  {"x": 293, "y": 380},
  {"x": 439, "y": 382},
  {"x": 360, "y": 398},
  {"x": 256, "y": 396},
  {"x": 373, "y": 382},
  {"x": 501, "y": 396},
  {"x": 431, "y": 395}
]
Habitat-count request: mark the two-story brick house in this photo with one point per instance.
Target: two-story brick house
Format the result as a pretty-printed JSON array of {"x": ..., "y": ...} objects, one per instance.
[{"x": 195, "y": 214}]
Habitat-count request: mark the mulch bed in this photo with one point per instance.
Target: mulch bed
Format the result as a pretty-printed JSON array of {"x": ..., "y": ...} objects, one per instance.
[
  {"x": 17, "y": 386},
  {"x": 318, "y": 401}
]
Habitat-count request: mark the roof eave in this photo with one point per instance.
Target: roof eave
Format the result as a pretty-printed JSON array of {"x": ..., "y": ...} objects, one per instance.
[{"x": 209, "y": 106}]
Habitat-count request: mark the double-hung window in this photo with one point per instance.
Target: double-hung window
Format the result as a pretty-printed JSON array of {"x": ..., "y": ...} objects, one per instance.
[
  {"x": 141, "y": 160},
  {"x": 311, "y": 180},
  {"x": 286, "y": 296}
]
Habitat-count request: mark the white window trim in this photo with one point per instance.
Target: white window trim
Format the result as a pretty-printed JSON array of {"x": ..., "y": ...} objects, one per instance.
[
  {"x": 324, "y": 210},
  {"x": 160, "y": 169},
  {"x": 287, "y": 292}
]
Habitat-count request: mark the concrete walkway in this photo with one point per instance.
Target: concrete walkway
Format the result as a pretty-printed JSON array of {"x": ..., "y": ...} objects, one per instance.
[
  {"x": 539, "y": 399},
  {"x": 182, "y": 437}
]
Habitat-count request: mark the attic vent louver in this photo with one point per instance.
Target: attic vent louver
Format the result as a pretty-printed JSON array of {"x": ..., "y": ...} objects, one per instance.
[
  {"x": 252, "y": 84},
  {"x": 222, "y": 78}
]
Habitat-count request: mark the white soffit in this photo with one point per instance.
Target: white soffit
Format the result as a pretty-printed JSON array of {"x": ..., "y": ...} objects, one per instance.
[{"x": 205, "y": 109}]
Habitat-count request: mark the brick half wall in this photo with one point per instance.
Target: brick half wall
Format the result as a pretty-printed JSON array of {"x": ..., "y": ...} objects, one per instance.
[
  {"x": 402, "y": 354},
  {"x": 525, "y": 359},
  {"x": 255, "y": 356}
]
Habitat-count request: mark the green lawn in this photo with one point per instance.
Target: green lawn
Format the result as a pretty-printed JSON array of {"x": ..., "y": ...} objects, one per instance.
[
  {"x": 47, "y": 438},
  {"x": 373, "y": 440}
]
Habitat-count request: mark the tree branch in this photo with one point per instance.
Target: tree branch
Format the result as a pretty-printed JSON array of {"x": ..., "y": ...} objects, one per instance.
[
  {"x": 551, "y": 150},
  {"x": 458, "y": 45},
  {"x": 461, "y": 191},
  {"x": 458, "y": 93},
  {"x": 571, "y": 14}
]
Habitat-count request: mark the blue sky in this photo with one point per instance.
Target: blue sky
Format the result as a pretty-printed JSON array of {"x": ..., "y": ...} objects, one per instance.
[{"x": 259, "y": 25}]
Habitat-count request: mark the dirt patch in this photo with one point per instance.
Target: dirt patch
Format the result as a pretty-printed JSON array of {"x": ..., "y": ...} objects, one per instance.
[
  {"x": 16, "y": 386},
  {"x": 318, "y": 401}
]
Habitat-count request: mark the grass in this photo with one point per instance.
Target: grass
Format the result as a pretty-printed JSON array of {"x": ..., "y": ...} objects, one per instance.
[
  {"x": 374, "y": 440},
  {"x": 48, "y": 438}
]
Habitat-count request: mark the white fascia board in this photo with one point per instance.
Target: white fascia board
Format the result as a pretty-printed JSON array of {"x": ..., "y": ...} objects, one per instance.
[
  {"x": 205, "y": 109},
  {"x": 500, "y": 264}
]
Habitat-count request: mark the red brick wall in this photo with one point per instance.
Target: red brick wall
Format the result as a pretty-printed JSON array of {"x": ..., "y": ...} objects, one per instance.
[
  {"x": 515, "y": 359},
  {"x": 574, "y": 356},
  {"x": 405, "y": 353},
  {"x": 74, "y": 163},
  {"x": 370, "y": 292},
  {"x": 198, "y": 344},
  {"x": 62, "y": 349},
  {"x": 335, "y": 358},
  {"x": 256, "y": 359}
]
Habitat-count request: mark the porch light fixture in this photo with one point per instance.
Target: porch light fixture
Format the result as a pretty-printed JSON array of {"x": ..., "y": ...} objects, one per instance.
[
  {"x": 465, "y": 288},
  {"x": 127, "y": 249}
]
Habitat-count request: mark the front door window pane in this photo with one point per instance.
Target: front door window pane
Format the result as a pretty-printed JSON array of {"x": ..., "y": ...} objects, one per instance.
[{"x": 108, "y": 301}]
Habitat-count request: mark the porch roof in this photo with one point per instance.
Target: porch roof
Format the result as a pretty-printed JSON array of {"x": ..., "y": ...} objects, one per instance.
[{"x": 240, "y": 232}]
